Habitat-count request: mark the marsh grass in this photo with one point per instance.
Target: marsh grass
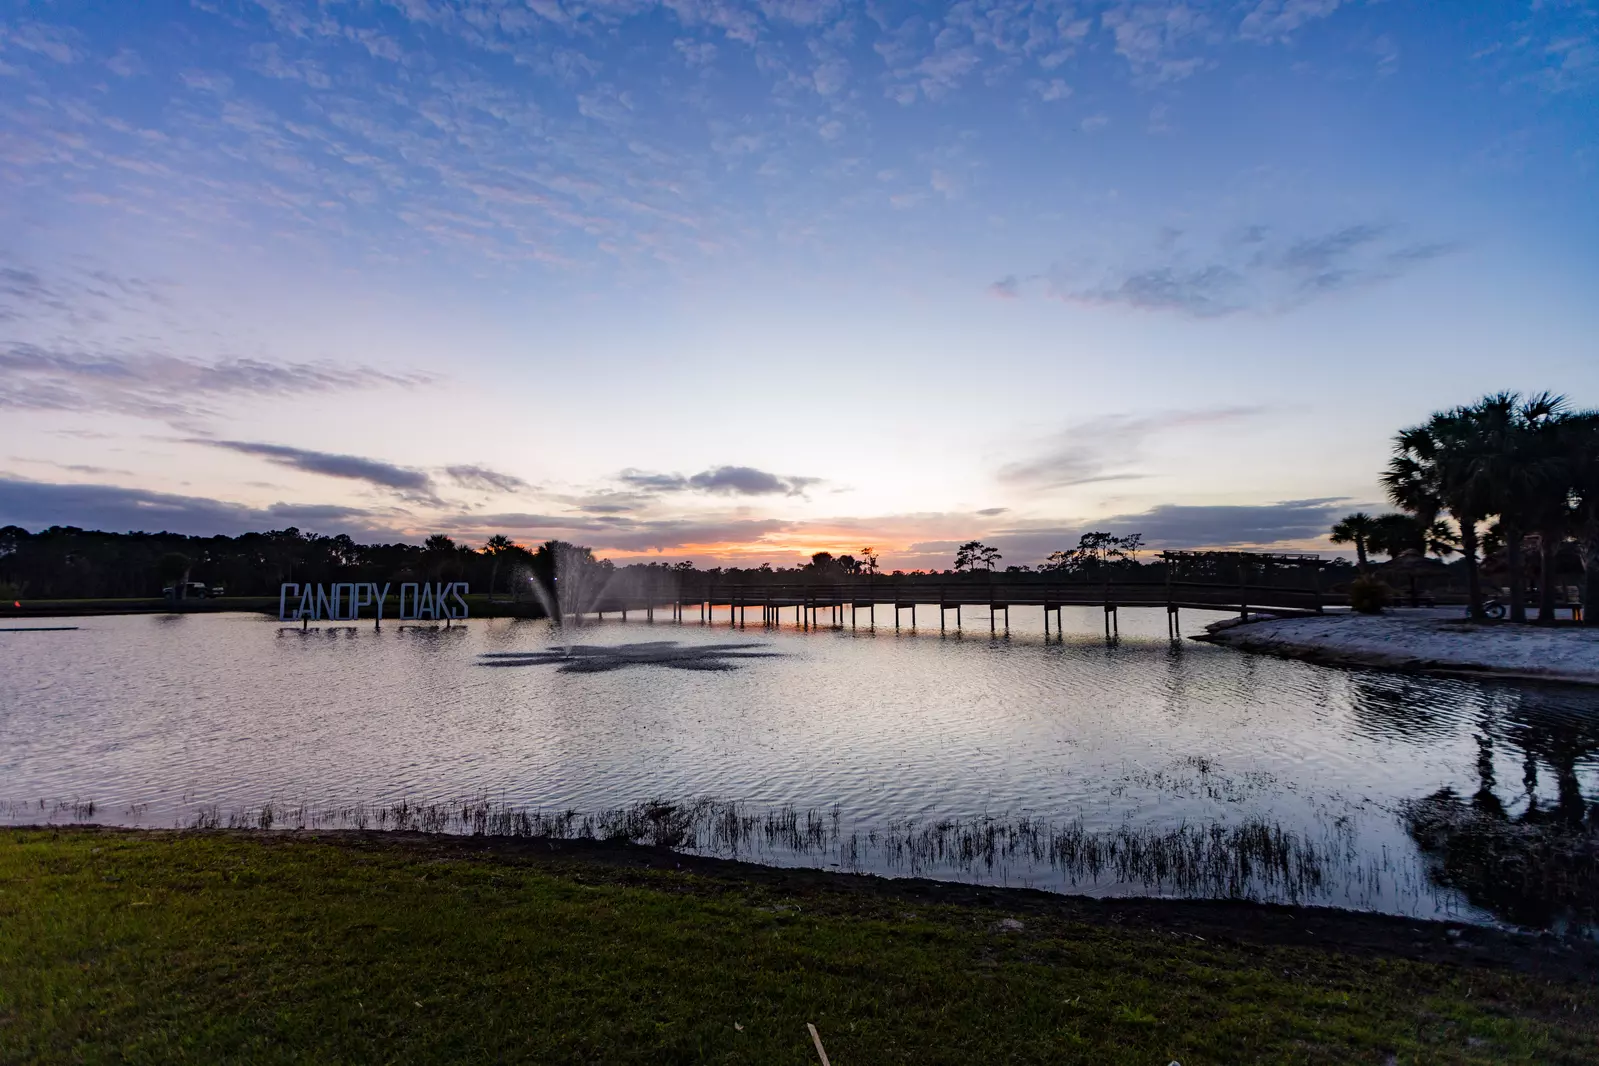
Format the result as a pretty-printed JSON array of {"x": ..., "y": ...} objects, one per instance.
[{"x": 1252, "y": 859}]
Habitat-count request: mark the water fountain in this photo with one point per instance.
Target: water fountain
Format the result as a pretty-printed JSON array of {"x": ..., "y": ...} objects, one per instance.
[{"x": 579, "y": 586}]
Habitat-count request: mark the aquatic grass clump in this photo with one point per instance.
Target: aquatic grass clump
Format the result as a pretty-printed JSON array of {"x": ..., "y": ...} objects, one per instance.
[
  {"x": 1234, "y": 862},
  {"x": 1249, "y": 860},
  {"x": 76, "y": 810}
]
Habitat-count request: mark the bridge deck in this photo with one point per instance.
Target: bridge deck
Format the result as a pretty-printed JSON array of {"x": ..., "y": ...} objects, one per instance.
[{"x": 807, "y": 599}]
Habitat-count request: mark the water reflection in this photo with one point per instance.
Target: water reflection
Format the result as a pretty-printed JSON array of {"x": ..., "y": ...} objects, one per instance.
[
  {"x": 600, "y": 658},
  {"x": 1527, "y": 857},
  {"x": 976, "y": 759}
]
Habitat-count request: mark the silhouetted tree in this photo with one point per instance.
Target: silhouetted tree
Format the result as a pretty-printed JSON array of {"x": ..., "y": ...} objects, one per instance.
[
  {"x": 1357, "y": 529},
  {"x": 496, "y": 548},
  {"x": 1434, "y": 469},
  {"x": 1094, "y": 552},
  {"x": 974, "y": 554}
]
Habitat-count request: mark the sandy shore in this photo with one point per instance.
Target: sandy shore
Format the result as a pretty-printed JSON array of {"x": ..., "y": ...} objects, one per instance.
[{"x": 1428, "y": 640}]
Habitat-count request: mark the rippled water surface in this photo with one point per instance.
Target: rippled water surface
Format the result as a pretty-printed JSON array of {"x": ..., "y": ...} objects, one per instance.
[{"x": 967, "y": 756}]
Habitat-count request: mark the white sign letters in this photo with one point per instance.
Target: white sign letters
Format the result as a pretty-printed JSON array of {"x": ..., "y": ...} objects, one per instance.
[{"x": 342, "y": 602}]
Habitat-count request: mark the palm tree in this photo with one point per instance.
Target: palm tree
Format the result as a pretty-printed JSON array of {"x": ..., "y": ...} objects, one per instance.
[
  {"x": 1553, "y": 512},
  {"x": 1395, "y": 534},
  {"x": 496, "y": 546},
  {"x": 1521, "y": 473},
  {"x": 1433, "y": 470},
  {"x": 1356, "y": 529},
  {"x": 1580, "y": 438},
  {"x": 1441, "y": 539}
]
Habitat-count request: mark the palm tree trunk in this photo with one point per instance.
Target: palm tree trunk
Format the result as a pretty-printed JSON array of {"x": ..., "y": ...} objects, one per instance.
[
  {"x": 1590, "y": 574},
  {"x": 1360, "y": 553},
  {"x": 1547, "y": 543},
  {"x": 1468, "y": 550},
  {"x": 1518, "y": 583}
]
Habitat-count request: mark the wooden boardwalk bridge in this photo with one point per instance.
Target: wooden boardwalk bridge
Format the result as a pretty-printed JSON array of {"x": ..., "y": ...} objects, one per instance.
[{"x": 1225, "y": 581}]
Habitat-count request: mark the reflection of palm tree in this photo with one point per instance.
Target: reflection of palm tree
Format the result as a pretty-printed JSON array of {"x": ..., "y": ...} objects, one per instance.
[
  {"x": 1542, "y": 865},
  {"x": 1356, "y": 529}
]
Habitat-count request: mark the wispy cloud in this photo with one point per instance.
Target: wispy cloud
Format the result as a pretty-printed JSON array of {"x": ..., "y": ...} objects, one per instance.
[
  {"x": 626, "y": 534},
  {"x": 1109, "y": 448},
  {"x": 484, "y": 479},
  {"x": 1177, "y": 526},
  {"x": 154, "y": 385},
  {"x": 37, "y": 504},
  {"x": 412, "y": 484},
  {"x": 720, "y": 481},
  {"x": 1251, "y": 269},
  {"x": 1277, "y": 20}
]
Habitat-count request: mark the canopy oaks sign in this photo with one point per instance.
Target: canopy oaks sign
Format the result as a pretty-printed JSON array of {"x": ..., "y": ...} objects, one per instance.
[{"x": 343, "y": 601}]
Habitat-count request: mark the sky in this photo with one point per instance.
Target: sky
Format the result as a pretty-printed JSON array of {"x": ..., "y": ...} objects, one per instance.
[{"x": 738, "y": 282}]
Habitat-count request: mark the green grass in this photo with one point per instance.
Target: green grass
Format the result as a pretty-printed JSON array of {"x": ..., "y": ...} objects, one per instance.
[{"x": 209, "y": 947}]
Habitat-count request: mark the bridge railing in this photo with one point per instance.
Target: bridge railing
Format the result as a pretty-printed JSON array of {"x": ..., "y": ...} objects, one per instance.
[{"x": 1135, "y": 593}]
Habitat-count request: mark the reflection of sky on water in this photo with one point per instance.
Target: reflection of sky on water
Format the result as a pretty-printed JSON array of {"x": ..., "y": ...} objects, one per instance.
[
  {"x": 600, "y": 658},
  {"x": 156, "y": 718}
]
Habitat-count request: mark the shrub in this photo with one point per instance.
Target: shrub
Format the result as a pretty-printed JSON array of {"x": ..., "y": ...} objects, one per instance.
[{"x": 1369, "y": 595}]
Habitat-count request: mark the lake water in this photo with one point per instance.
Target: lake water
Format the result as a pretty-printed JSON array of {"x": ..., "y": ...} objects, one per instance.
[{"x": 1144, "y": 766}]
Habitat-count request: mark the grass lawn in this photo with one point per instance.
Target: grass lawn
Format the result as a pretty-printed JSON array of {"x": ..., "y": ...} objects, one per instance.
[{"x": 210, "y": 947}]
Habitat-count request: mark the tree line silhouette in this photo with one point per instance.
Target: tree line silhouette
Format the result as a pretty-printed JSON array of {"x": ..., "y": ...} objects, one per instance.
[
  {"x": 1509, "y": 484},
  {"x": 65, "y": 562}
]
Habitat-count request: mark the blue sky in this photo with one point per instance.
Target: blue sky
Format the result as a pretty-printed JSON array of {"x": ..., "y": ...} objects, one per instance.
[{"x": 739, "y": 281}]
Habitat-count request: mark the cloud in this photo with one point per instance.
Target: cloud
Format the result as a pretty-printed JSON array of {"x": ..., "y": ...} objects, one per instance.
[
  {"x": 621, "y": 533},
  {"x": 1006, "y": 288},
  {"x": 413, "y": 484},
  {"x": 1108, "y": 448},
  {"x": 158, "y": 386},
  {"x": 55, "y": 43},
  {"x": 1174, "y": 525},
  {"x": 36, "y": 505},
  {"x": 609, "y": 502},
  {"x": 1202, "y": 292},
  {"x": 1170, "y": 526},
  {"x": 557, "y": 134},
  {"x": 1276, "y": 20},
  {"x": 484, "y": 479},
  {"x": 1251, "y": 269},
  {"x": 1154, "y": 37},
  {"x": 720, "y": 481}
]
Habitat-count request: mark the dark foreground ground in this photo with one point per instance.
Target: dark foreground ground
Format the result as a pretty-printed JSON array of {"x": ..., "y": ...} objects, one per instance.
[{"x": 220, "y": 946}]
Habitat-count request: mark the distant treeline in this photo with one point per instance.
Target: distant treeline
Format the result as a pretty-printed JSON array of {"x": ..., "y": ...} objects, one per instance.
[{"x": 65, "y": 562}]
